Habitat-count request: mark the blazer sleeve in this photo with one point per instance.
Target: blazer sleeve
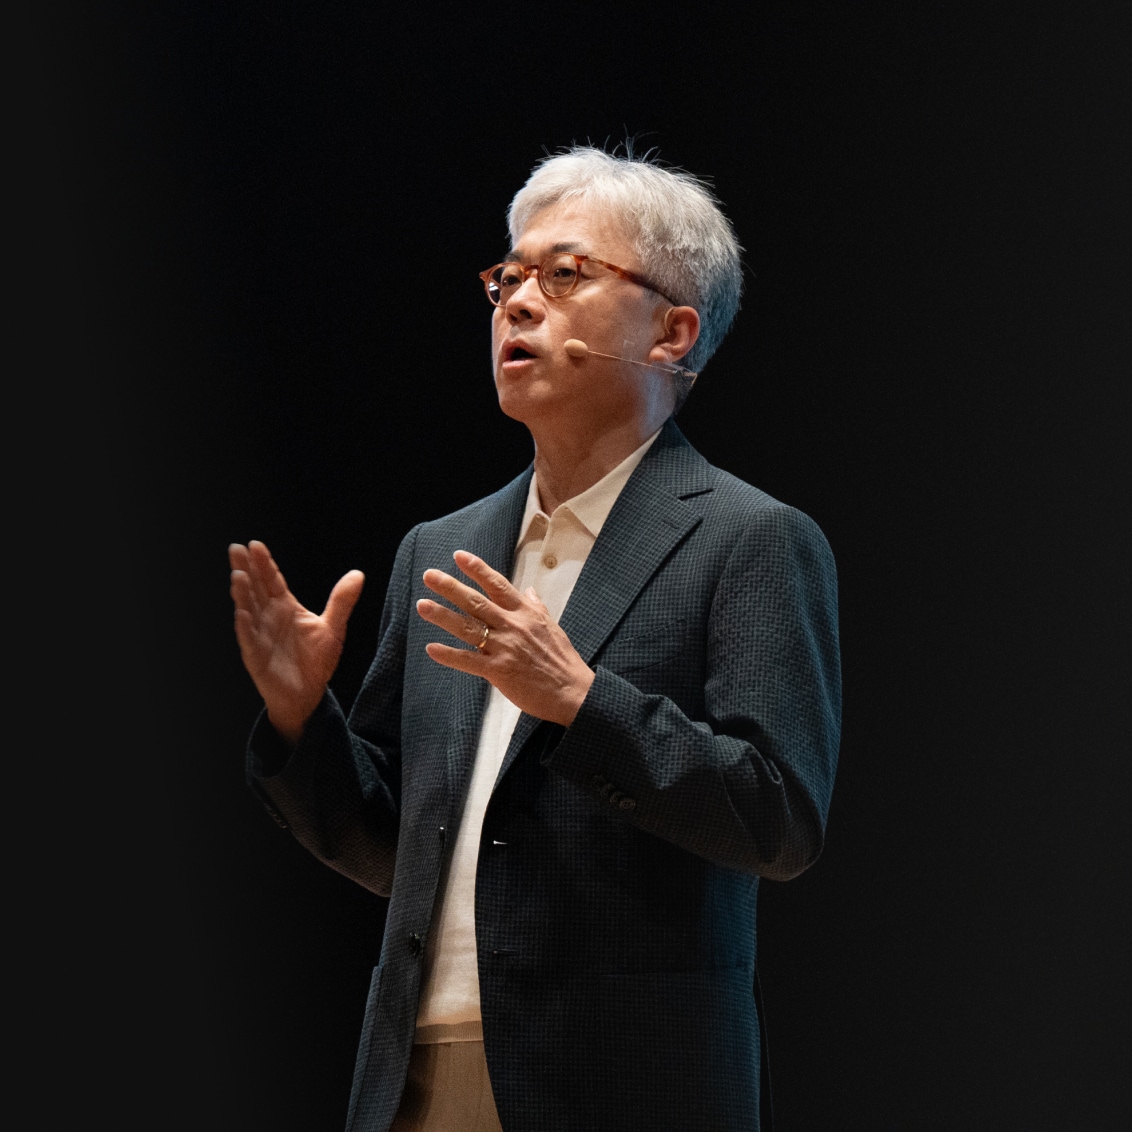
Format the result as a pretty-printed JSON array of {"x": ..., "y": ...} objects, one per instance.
[
  {"x": 338, "y": 792},
  {"x": 748, "y": 785}
]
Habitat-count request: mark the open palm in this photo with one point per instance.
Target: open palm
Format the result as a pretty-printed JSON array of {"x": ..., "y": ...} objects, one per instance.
[{"x": 289, "y": 651}]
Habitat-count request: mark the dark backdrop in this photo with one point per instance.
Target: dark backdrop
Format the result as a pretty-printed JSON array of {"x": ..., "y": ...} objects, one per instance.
[{"x": 252, "y": 232}]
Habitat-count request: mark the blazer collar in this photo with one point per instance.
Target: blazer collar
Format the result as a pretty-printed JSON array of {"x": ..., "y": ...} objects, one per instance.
[{"x": 493, "y": 525}]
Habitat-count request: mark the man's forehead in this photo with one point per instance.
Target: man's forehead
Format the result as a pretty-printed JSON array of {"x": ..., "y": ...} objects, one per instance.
[{"x": 570, "y": 226}]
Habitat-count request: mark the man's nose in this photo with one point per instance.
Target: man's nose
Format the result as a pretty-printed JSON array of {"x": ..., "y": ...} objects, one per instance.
[{"x": 526, "y": 300}]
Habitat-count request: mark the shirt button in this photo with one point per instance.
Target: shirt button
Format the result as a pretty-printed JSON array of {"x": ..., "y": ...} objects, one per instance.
[{"x": 550, "y": 561}]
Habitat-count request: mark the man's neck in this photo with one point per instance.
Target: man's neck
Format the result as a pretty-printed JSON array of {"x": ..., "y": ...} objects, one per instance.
[{"x": 567, "y": 465}]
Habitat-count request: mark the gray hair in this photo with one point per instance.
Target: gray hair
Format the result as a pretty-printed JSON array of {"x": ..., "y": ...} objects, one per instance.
[{"x": 686, "y": 245}]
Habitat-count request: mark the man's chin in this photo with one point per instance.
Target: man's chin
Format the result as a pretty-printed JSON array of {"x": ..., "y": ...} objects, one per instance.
[
  {"x": 521, "y": 400},
  {"x": 517, "y": 408}
]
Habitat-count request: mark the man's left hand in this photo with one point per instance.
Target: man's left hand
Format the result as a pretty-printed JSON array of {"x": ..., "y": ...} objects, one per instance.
[{"x": 523, "y": 652}]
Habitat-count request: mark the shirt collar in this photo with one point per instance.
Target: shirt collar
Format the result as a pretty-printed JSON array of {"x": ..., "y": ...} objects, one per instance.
[{"x": 591, "y": 507}]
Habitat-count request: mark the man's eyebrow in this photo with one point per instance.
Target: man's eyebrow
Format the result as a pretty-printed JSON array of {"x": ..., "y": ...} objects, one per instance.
[{"x": 516, "y": 256}]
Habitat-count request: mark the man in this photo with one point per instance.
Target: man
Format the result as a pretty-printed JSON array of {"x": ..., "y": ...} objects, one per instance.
[{"x": 605, "y": 701}]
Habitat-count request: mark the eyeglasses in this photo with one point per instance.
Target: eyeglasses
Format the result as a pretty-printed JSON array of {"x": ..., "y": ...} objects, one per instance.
[{"x": 558, "y": 275}]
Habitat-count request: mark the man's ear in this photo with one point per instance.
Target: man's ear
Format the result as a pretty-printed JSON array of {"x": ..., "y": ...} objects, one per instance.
[{"x": 681, "y": 329}]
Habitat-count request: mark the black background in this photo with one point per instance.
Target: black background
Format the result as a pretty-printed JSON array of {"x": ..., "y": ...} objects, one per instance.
[{"x": 245, "y": 245}]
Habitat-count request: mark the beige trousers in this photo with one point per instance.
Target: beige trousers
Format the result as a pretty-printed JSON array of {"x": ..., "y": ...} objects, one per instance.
[{"x": 447, "y": 1090}]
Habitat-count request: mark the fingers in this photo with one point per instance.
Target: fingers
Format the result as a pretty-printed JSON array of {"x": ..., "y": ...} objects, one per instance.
[
  {"x": 247, "y": 609},
  {"x": 463, "y": 660},
  {"x": 255, "y": 577},
  {"x": 238, "y": 561},
  {"x": 470, "y": 601},
  {"x": 342, "y": 600},
  {"x": 242, "y": 587},
  {"x": 267, "y": 578},
  {"x": 475, "y": 610},
  {"x": 498, "y": 594},
  {"x": 240, "y": 583},
  {"x": 494, "y": 584},
  {"x": 462, "y": 626},
  {"x": 238, "y": 556}
]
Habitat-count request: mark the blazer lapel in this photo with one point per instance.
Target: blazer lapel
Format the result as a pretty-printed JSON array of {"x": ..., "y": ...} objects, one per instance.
[
  {"x": 649, "y": 519},
  {"x": 491, "y": 534}
]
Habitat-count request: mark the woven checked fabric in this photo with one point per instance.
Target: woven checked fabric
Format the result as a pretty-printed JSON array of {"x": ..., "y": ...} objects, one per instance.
[{"x": 620, "y": 858}]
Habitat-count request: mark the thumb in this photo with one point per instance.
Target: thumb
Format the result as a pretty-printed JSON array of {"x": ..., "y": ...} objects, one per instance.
[
  {"x": 342, "y": 600},
  {"x": 532, "y": 594}
]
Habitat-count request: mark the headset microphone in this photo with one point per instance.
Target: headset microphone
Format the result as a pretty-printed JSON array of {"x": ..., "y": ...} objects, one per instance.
[{"x": 578, "y": 349}]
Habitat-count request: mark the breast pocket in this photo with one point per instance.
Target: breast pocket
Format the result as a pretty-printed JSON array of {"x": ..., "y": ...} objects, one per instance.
[{"x": 641, "y": 652}]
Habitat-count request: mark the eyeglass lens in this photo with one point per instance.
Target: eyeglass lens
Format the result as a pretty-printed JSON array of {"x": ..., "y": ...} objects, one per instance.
[{"x": 557, "y": 276}]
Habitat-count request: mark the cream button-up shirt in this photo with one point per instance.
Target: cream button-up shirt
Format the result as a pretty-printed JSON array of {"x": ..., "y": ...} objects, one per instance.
[{"x": 550, "y": 554}]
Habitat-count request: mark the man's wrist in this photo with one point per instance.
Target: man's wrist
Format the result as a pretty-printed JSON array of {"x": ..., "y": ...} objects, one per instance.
[
  {"x": 289, "y": 724},
  {"x": 577, "y": 694},
  {"x": 290, "y": 719}
]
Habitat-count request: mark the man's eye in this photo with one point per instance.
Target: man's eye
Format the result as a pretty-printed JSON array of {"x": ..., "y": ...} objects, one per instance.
[
  {"x": 563, "y": 274},
  {"x": 511, "y": 277}
]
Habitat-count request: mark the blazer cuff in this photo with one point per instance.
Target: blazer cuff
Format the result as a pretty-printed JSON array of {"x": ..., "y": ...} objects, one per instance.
[
  {"x": 268, "y": 754},
  {"x": 582, "y": 752}
]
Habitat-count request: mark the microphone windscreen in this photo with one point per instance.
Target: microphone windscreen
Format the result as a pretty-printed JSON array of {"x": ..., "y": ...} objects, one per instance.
[{"x": 575, "y": 348}]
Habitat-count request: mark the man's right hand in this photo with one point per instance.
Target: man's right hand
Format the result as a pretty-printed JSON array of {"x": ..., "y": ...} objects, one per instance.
[{"x": 290, "y": 652}]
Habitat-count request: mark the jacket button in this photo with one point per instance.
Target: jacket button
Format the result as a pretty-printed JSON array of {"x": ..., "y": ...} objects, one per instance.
[
  {"x": 627, "y": 804},
  {"x": 615, "y": 797},
  {"x": 443, "y": 835},
  {"x": 416, "y": 945}
]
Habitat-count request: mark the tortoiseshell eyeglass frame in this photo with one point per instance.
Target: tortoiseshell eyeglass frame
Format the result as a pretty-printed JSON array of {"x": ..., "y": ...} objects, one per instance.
[{"x": 537, "y": 269}]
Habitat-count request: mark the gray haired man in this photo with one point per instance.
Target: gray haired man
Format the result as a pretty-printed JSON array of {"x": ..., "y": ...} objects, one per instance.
[{"x": 605, "y": 702}]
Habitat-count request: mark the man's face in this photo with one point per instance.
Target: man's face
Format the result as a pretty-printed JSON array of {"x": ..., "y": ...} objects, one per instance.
[{"x": 537, "y": 381}]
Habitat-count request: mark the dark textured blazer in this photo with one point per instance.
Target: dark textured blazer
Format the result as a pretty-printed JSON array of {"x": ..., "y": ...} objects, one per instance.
[{"x": 620, "y": 858}]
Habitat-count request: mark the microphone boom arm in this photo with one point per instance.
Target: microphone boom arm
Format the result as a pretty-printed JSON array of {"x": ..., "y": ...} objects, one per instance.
[{"x": 578, "y": 349}]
